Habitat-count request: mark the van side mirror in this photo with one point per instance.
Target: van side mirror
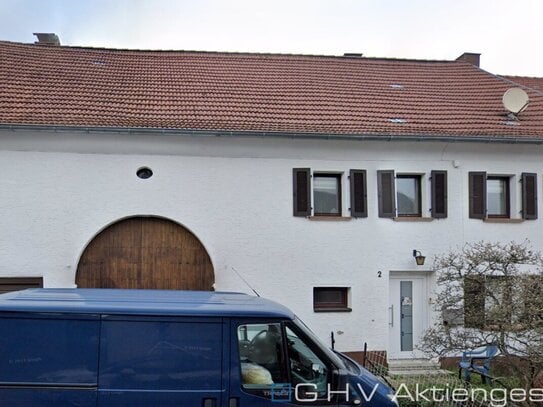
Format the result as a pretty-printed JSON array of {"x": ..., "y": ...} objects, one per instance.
[{"x": 317, "y": 369}]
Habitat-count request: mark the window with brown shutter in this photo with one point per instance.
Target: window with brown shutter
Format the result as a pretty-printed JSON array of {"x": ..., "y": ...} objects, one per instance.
[
  {"x": 529, "y": 195},
  {"x": 301, "y": 191},
  {"x": 494, "y": 301},
  {"x": 408, "y": 195},
  {"x": 359, "y": 199},
  {"x": 474, "y": 302},
  {"x": 477, "y": 195},
  {"x": 326, "y": 194},
  {"x": 531, "y": 311},
  {"x": 439, "y": 194},
  {"x": 386, "y": 193},
  {"x": 498, "y": 197}
]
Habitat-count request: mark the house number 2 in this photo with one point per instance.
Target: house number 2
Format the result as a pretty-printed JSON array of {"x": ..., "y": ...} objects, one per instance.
[{"x": 379, "y": 274}]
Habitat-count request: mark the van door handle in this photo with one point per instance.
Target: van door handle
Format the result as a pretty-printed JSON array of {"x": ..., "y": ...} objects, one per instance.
[
  {"x": 233, "y": 402},
  {"x": 210, "y": 403}
]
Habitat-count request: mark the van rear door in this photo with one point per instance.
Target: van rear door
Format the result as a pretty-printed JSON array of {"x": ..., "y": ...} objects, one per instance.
[{"x": 162, "y": 361}]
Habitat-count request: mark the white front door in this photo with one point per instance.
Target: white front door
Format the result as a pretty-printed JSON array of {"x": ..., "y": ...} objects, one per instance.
[{"x": 408, "y": 314}]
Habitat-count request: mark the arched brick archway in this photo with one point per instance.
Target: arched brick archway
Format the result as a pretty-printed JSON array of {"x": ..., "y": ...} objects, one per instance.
[{"x": 145, "y": 252}]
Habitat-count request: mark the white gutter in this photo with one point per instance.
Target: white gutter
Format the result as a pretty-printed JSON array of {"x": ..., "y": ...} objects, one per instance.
[{"x": 311, "y": 136}]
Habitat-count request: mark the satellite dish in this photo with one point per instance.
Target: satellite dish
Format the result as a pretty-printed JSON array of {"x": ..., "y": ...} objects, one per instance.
[{"x": 515, "y": 100}]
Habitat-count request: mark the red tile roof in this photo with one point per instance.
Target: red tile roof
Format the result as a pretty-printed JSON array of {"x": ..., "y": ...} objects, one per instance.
[
  {"x": 72, "y": 86},
  {"x": 527, "y": 81}
]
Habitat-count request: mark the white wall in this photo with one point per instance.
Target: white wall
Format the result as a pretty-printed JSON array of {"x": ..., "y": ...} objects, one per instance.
[{"x": 57, "y": 190}]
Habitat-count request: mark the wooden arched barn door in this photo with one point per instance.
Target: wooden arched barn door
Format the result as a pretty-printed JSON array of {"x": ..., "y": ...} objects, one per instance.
[{"x": 145, "y": 252}]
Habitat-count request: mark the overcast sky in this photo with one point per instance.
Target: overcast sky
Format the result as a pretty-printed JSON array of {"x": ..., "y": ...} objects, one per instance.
[{"x": 508, "y": 33}]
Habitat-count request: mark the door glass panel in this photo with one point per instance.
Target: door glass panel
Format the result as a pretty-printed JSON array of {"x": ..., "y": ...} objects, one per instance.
[{"x": 406, "y": 317}]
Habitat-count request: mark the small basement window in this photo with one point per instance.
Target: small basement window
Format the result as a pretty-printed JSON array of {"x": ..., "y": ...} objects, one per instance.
[
  {"x": 8, "y": 284},
  {"x": 327, "y": 194},
  {"x": 331, "y": 299}
]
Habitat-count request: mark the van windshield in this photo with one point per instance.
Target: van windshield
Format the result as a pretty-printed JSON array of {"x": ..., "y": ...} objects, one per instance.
[{"x": 336, "y": 360}]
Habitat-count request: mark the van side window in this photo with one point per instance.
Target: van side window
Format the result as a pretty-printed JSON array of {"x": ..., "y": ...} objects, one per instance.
[
  {"x": 261, "y": 356},
  {"x": 267, "y": 372}
]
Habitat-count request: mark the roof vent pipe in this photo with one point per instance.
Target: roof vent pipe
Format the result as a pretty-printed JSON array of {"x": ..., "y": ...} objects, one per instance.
[
  {"x": 471, "y": 58},
  {"x": 47, "y": 39}
]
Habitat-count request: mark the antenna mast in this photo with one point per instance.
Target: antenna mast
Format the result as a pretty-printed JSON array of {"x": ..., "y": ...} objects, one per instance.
[{"x": 245, "y": 281}]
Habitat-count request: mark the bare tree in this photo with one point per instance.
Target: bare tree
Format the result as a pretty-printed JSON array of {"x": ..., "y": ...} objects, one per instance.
[{"x": 491, "y": 293}]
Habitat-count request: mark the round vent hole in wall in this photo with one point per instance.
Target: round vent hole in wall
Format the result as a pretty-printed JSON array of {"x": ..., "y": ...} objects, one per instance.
[{"x": 144, "y": 172}]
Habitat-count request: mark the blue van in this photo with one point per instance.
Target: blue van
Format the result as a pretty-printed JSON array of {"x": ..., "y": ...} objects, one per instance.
[{"x": 111, "y": 348}]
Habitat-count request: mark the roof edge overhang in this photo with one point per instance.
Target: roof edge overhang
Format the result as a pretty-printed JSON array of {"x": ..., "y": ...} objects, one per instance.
[{"x": 460, "y": 138}]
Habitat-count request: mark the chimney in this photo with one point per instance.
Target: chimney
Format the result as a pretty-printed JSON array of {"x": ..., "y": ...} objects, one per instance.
[
  {"x": 47, "y": 39},
  {"x": 470, "y": 57}
]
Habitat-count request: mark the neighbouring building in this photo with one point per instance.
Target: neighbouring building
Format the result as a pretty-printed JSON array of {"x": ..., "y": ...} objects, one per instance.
[{"x": 311, "y": 179}]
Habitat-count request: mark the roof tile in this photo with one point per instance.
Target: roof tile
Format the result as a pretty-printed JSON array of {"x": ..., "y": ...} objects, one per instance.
[{"x": 71, "y": 86}]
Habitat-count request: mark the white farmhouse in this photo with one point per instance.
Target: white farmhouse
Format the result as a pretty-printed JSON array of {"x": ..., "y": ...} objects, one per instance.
[{"x": 312, "y": 180}]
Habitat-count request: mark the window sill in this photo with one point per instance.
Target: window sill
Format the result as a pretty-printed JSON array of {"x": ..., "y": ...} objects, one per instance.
[
  {"x": 332, "y": 309},
  {"x": 331, "y": 218},
  {"x": 412, "y": 219},
  {"x": 503, "y": 220}
]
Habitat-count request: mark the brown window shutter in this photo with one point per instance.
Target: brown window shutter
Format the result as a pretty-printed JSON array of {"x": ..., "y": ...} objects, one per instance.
[
  {"x": 477, "y": 195},
  {"x": 474, "y": 302},
  {"x": 386, "y": 193},
  {"x": 529, "y": 195},
  {"x": 439, "y": 194},
  {"x": 359, "y": 197},
  {"x": 302, "y": 191}
]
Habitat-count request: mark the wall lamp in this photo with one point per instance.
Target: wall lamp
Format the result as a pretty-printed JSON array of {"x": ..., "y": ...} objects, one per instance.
[{"x": 419, "y": 258}]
